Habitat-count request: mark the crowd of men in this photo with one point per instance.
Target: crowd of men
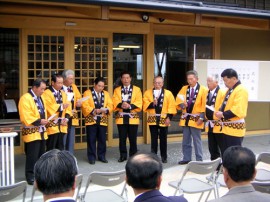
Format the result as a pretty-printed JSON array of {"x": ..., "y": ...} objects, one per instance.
[{"x": 49, "y": 116}]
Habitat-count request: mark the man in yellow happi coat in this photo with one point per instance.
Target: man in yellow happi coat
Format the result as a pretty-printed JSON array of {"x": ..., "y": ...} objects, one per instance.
[
  {"x": 233, "y": 110},
  {"x": 191, "y": 99},
  {"x": 74, "y": 96},
  {"x": 32, "y": 109},
  {"x": 96, "y": 108},
  {"x": 159, "y": 103},
  {"x": 213, "y": 102},
  {"x": 58, "y": 110},
  {"x": 127, "y": 102}
]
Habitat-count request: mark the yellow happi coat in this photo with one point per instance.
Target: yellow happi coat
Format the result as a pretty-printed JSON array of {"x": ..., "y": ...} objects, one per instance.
[
  {"x": 53, "y": 108},
  {"x": 77, "y": 96},
  {"x": 214, "y": 119},
  {"x": 168, "y": 107},
  {"x": 237, "y": 104},
  {"x": 88, "y": 106},
  {"x": 198, "y": 108},
  {"x": 136, "y": 99},
  {"x": 29, "y": 114}
]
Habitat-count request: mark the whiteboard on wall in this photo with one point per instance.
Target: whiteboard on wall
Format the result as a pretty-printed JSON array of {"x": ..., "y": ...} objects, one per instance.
[{"x": 254, "y": 75}]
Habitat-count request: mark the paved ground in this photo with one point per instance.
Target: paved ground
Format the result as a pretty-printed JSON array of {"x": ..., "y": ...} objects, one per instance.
[{"x": 258, "y": 143}]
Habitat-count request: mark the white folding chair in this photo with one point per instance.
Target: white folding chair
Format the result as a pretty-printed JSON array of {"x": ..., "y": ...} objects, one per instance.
[
  {"x": 219, "y": 180},
  {"x": 79, "y": 179},
  {"x": 263, "y": 187},
  {"x": 10, "y": 192},
  {"x": 106, "y": 179},
  {"x": 194, "y": 185},
  {"x": 263, "y": 174}
]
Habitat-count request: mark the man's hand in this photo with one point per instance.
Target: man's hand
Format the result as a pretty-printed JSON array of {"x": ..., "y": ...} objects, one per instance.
[
  {"x": 66, "y": 105},
  {"x": 43, "y": 121},
  {"x": 78, "y": 103},
  {"x": 199, "y": 122},
  {"x": 219, "y": 114},
  {"x": 64, "y": 122},
  {"x": 167, "y": 121},
  {"x": 155, "y": 102},
  {"x": 125, "y": 105}
]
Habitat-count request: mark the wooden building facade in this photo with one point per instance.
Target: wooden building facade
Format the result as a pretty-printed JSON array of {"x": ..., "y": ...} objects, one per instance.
[{"x": 103, "y": 38}]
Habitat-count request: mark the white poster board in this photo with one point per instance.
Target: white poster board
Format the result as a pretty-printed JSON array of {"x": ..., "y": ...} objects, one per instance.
[{"x": 251, "y": 74}]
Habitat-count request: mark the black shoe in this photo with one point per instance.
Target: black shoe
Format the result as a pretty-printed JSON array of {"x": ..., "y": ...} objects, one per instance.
[
  {"x": 92, "y": 162},
  {"x": 103, "y": 160},
  {"x": 164, "y": 161},
  {"x": 30, "y": 182},
  {"x": 121, "y": 159},
  {"x": 183, "y": 162}
]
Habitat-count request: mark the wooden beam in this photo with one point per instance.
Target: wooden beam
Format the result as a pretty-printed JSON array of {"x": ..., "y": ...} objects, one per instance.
[
  {"x": 47, "y": 3},
  {"x": 227, "y": 22},
  {"x": 31, "y": 22},
  {"x": 105, "y": 11},
  {"x": 184, "y": 18},
  {"x": 183, "y": 30},
  {"x": 216, "y": 45},
  {"x": 41, "y": 11},
  {"x": 180, "y": 18},
  {"x": 90, "y": 12},
  {"x": 198, "y": 19}
]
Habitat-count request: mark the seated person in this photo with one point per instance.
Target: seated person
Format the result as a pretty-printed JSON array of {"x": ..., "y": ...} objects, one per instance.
[
  {"x": 143, "y": 174},
  {"x": 239, "y": 170},
  {"x": 55, "y": 173}
]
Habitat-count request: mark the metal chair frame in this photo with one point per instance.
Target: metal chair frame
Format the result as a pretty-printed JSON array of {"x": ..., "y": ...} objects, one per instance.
[
  {"x": 194, "y": 185},
  {"x": 106, "y": 179},
  {"x": 10, "y": 192}
]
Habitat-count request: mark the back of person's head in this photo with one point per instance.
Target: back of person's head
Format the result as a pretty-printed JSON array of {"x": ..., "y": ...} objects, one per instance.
[
  {"x": 143, "y": 171},
  {"x": 240, "y": 163},
  {"x": 229, "y": 73},
  {"x": 55, "y": 172}
]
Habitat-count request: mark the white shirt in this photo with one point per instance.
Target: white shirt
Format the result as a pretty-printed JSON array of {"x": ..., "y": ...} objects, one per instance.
[
  {"x": 213, "y": 91},
  {"x": 65, "y": 88},
  {"x": 97, "y": 94},
  {"x": 60, "y": 198},
  {"x": 126, "y": 87}
]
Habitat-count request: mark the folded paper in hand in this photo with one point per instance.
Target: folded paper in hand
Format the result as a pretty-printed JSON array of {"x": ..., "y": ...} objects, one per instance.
[
  {"x": 125, "y": 97},
  {"x": 51, "y": 117},
  {"x": 84, "y": 98},
  {"x": 156, "y": 93},
  {"x": 181, "y": 96},
  {"x": 210, "y": 107}
]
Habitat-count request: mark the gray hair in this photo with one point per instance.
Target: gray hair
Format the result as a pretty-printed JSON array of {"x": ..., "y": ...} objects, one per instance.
[
  {"x": 158, "y": 77},
  {"x": 67, "y": 72},
  {"x": 192, "y": 72},
  {"x": 214, "y": 77}
]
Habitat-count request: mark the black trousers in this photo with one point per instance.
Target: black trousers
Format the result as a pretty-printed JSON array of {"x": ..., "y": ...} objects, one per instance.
[
  {"x": 130, "y": 131},
  {"x": 214, "y": 145},
  {"x": 33, "y": 151},
  {"x": 161, "y": 132},
  {"x": 228, "y": 141},
  {"x": 55, "y": 141},
  {"x": 96, "y": 134}
]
